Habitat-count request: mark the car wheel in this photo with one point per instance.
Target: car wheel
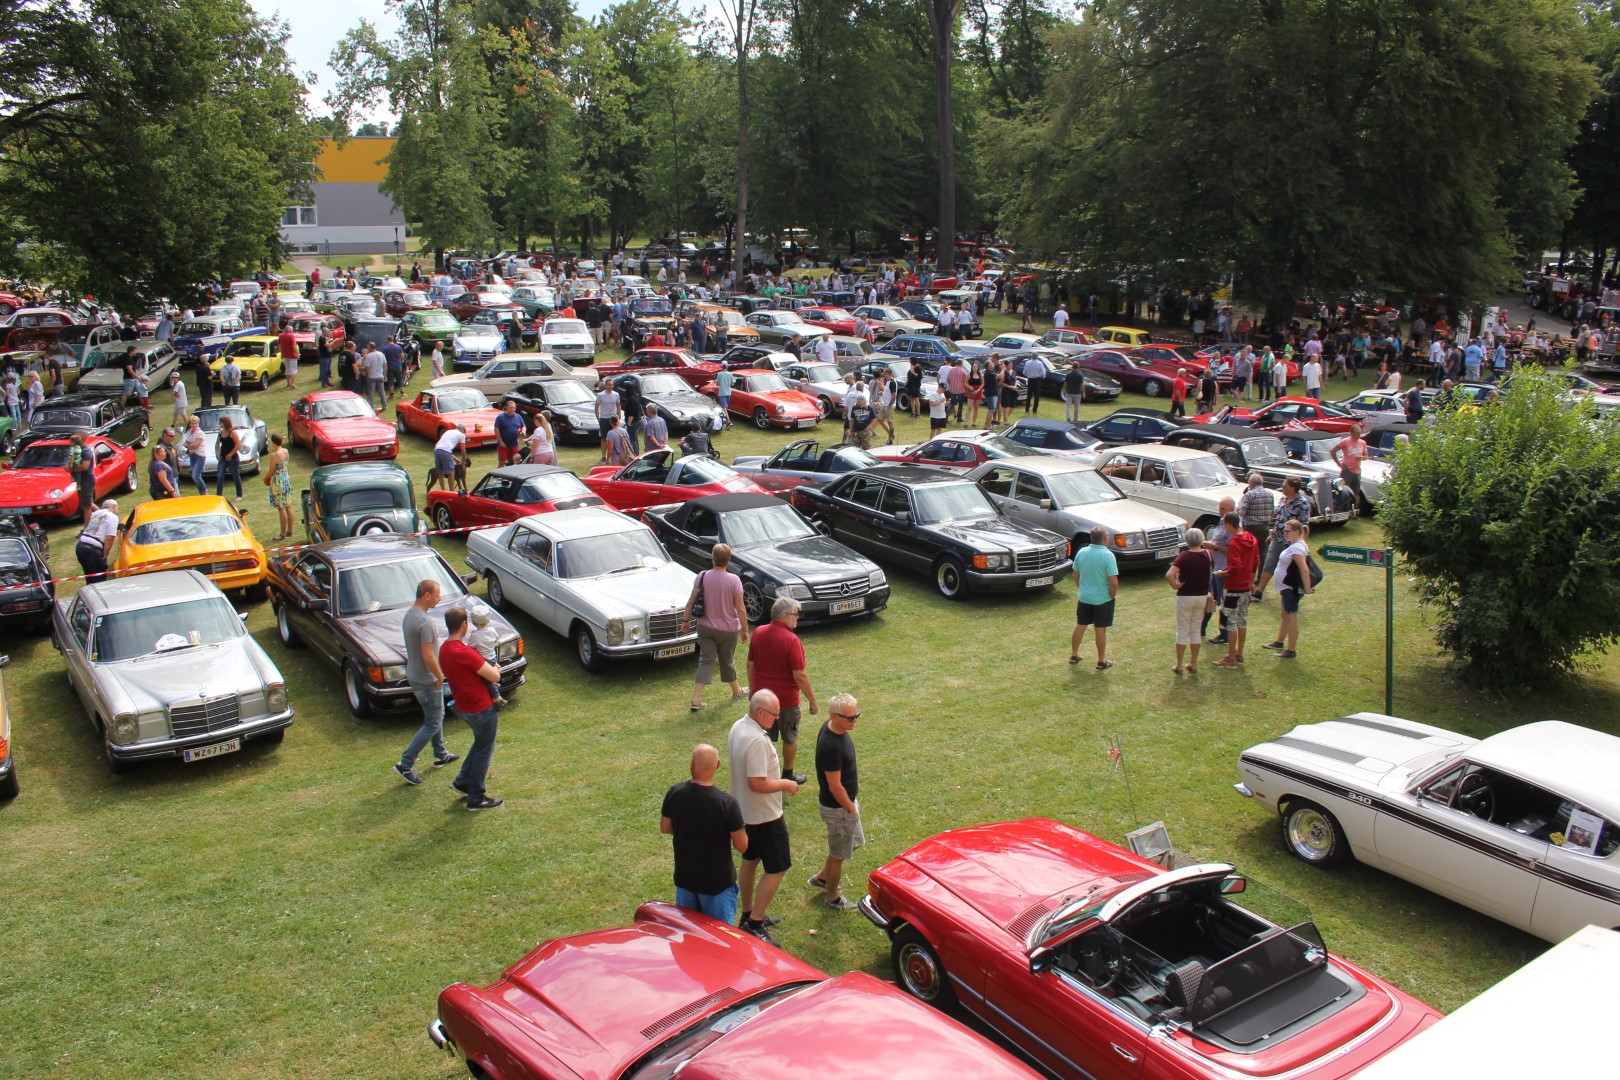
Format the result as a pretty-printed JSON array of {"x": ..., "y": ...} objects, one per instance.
[
  {"x": 442, "y": 520},
  {"x": 264, "y": 380},
  {"x": 116, "y": 766},
  {"x": 496, "y": 593},
  {"x": 950, "y": 579},
  {"x": 1205, "y": 524},
  {"x": 316, "y": 449},
  {"x": 258, "y": 594},
  {"x": 6, "y": 310},
  {"x": 354, "y": 690},
  {"x": 755, "y": 604},
  {"x": 142, "y": 439},
  {"x": 372, "y": 526},
  {"x": 918, "y": 970},
  {"x": 826, "y": 407},
  {"x": 762, "y": 419},
  {"x": 9, "y": 788},
  {"x": 902, "y": 401},
  {"x": 1313, "y": 834},
  {"x": 399, "y": 425},
  {"x": 1152, "y": 388},
  {"x": 132, "y": 480},
  {"x": 585, "y": 648},
  {"x": 289, "y": 637}
]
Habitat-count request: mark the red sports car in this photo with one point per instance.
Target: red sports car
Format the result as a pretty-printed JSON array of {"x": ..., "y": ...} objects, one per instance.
[
  {"x": 433, "y": 412},
  {"x": 1286, "y": 412},
  {"x": 37, "y": 485},
  {"x": 338, "y": 426},
  {"x": 509, "y": 493},
  {"x": 468, "y": 304},
  {"x": 768, "y": 401},
  {"x": 835, "y": 319},
  {"x": 683, "y": 362},
  {"x": 305, "y": 327},
  {"x": 1101, "y": 965},
  {"x": 960, "y": 450},
  {"x": 662, "y": 476},
  {"x": 1167, "y": 359},
  {"x": 396, "y": 302},
  {"x": 1152, "y": 378},
  {"x": 678, "y": 993}
]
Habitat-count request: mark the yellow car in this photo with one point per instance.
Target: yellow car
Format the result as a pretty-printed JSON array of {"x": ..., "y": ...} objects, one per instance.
[
  {"x": 201, "y": 532},
  {"x": 259, "y": 357},
  {"x": 1120, "y": 335}
]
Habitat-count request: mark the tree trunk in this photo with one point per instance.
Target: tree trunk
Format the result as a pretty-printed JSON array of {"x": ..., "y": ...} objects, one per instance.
[
  {"x": 740, "y": 235},
  {"x": 942, "y": 31}
]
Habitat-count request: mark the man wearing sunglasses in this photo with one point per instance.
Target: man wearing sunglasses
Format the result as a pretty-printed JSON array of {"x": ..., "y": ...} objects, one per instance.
[{"x": 835, "y": 775}]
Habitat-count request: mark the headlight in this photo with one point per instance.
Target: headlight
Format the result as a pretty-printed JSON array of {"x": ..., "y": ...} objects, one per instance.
[
  {"x": 123, "y": 727},
  {"x": 1130, "y": 540},
  {"x": 55, "y": 493},
  {"x": 510, "y": 650},
  {"x": 781, "y": 410},
  {"x": 275, "y": 697},
  {"x": 393, "y": 674},
  {"x": 615, "y": 631},
  {"x": 457, "y": 348},
  {"x": 992, "y": 562},
  {"x": 798, "y": 592},
  {"x": 876, "y": 580}
]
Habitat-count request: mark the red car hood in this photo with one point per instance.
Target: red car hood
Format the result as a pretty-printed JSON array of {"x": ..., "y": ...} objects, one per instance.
[
  {"x": 28, "y": 484},
  {"x": 793, "y": 400},
  {"x": 471, "y": 417},
  {"x": 355, "y": 430}
]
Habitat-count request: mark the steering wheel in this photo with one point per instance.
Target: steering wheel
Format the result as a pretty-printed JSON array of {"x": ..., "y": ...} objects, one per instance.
[
  {"x": 1096, "y": 963},
  {"x": 1476, "y": 796}
]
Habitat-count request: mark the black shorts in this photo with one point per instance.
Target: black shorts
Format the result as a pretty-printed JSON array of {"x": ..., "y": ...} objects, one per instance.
[
  {"x": 768, "y": 845},
  {"x": 937, "y": 423},
  {"x": 1099, "y": 615}
]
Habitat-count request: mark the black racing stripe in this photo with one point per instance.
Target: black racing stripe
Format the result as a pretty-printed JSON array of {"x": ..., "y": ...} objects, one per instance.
[
  {"x": 1349, "y": 757},
  {"x": 1377, "y": 725}
]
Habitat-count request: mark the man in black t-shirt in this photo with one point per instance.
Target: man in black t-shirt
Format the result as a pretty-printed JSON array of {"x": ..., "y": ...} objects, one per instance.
[
  {"x": 839, "y": 784},
  {"x": 704, "y": 820}
]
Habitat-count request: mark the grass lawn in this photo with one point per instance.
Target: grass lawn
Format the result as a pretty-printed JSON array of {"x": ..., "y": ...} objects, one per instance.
[{"x": 294, "y": 911}]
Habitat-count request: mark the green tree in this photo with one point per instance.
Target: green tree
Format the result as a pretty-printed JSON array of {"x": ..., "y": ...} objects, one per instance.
[{"x": 1509, "y": 515}]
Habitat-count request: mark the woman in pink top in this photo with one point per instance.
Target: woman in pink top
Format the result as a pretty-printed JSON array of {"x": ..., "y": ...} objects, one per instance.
[{"x": 723, "y": 622}]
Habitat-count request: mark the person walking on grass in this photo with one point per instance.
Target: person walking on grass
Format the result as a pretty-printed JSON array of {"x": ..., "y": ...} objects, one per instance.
[
  {"x": 1242, "y": 562},
  {"x": 1293, "y": 581},
  {"x": 422, "y": 635},
  {"x": 707, "y": 825},
  {"x": 776, "y": 663},
  {"x": 1293, "y": 507},
  {"x": 721, "y": 624},
  {"x": 759, "y": 790},
  {"x": 469, "y": 676},
  {"x": 1096, "y": 574},
  {"x": 1189, "y": 576},
  {"x": 839, "y": 788}
]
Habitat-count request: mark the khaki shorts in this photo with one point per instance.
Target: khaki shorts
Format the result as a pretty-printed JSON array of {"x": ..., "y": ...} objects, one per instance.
[
  {"x": 786, "y": 727},
  {"x": 844, "y": 832}
]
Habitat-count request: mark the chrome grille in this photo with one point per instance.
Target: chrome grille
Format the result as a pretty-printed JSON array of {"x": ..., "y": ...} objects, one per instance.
[
  {"x": 203, "y": 717},
  {"x": 663, "y": 625},
  {"x": 1038, "y": 559},
  {"x": 841, "y": 590},
  {"x": 1169, "y": 536}
]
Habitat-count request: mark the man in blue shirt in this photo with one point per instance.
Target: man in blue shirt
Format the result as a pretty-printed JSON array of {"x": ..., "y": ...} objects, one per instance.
[
  {"x": 508, "y": 434},
  {"x": 1473, "y": 357},
  {"x": 1096, "y": 572}
]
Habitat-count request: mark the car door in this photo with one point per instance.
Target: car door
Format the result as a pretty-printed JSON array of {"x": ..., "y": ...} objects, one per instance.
[
  {"x": 298, "y": 425},
  {"x": 76, "y": 655},
  {"x": 896, "y": 533},
  {"x": 489, "y": 502},
  {"x": 1119, "y": 430},
  {"x": 692, "y": 544},
  {"x": 530, "y": 581},
  {"x": 1580, "y": 881},
  {"x": 109, "y": 473},
  {"x": 850, "y": 513},
  {"x": 1031, "y": 503},
  {"x": 309, "y": 594}
]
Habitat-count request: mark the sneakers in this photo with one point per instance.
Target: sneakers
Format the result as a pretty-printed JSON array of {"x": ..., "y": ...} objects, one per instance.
[
  {"x": 796, "y": 777},
  {"x": 408, "y": 775},
  {"x": 816, "y": 882},
  {"x": 455, "y": 785},
  {"x": 1221, "y": 640},
  {"x": 769, "y": 920},
  {"x": 843, "y": 903},
  {"x": 1274, "y": 645},
  {"x": 1287, "y": 654},
  {"x": 758, "y": 930},
  {"x": 441, "y": 762},
  {"x": 483, "y": 802}
]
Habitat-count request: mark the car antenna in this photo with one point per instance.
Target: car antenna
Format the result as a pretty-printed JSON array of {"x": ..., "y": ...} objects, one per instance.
[{"x": 1114, "y": 747}]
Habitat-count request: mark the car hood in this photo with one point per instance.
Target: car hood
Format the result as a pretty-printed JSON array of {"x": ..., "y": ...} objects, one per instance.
[
  {"x": 637, "y": 592},
  {"x": 27, "y": 485},
  {"x": 1365, "y": 749},
  {"x": 157, "y": 681},
  {"x": 355, "y": 429},
  {"x": 994, "y": 532},
  {"x": 1125, "y": 515},
  {"x": 566, "y": 339},
  {"x": 809, "y": 558}
]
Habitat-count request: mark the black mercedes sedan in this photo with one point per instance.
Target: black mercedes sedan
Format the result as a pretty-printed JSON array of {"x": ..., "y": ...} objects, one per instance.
[
  {"x": 60, "y": 417},
  {"x": 936, "y": 523},
  {"x": 26, "y": 594},
  {"x": 682, "y": 408}
]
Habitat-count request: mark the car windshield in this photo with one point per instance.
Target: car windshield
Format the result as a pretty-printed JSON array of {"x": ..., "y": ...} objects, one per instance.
[
  {"x": 851, "y": 459},
  {"x": 208, "y": 419},
  {"x": 1266, "y": 451},
  {"x": 952, "y": 502},
  {"x": 551, "y": 487},
  {"x": 1081, "y": 488},
  {"x": 567, "y": 392},
  {"x": 477, "y": 329},
  {"x": 246, "y": 348},
  {"x": 763, "y": 524},
  {"x": 352, "y": 502},
  {"x": 14, "y": 554},
  {"x": 389, "y": 585},
  {"x": 823, "y": 373},
  {"x": 307, "y": 326},
  {"x": 614, "y": 553},
  {"x": 175, "y": 530},
  {"x": 339, "y": 408},
  {"x": 663, "y": 384},
  {"x": 697, "y": 469},
  {"x": 75, "y": 335},
  {"x": 42, "y": 457},
  {"x": 461, "y": 401},
  {"x": 201, "y": 328},
  {"x": 766, "y": 384},
  {"x": 564, "y": 326},
  {"x": 994, "y": 446},
  {"x": 125, "y": 635},
  {"x": 1202, "y": 472},
  {"x": 61, "y": 418},
  {"x": 435, "y": 321},
  {"x": 671, "y": 1056},
  {"x": 1311, "y": 449},
  {"x": 651, "y": 306}
]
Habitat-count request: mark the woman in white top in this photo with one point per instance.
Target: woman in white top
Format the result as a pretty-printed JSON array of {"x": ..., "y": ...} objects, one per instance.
[
  {"x": 1293, "y": 580},
  {"x": 542, "y": 442}
]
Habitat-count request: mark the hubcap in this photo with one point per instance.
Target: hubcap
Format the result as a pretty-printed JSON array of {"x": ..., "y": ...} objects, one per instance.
[
  {"x": 1310, "y": 834},
  {"x": 352, "y": 688},
  {"x": 921, "y": 972},
  {"x": 587, "y": 648},
  {"x": 496, "y": 596}
]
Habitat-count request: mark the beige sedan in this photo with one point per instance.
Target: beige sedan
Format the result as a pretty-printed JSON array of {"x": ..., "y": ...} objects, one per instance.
[{"x": 507, "y": 370}]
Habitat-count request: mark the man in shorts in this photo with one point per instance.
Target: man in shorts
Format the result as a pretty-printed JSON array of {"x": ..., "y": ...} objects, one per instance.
[
  {"x": 776, "y": 663},
  {"x": 1096, "y": 572},
  {"x": 707, "y": 824},
  {"x": 836, "y": 778},
  {"x": 444, "y": 457},
  {"x": 1242, "y": 563},
  {"x": 81, "y": 466},
  {"x": 938, "y": 406},
  {"x": 758, "y": 790}
]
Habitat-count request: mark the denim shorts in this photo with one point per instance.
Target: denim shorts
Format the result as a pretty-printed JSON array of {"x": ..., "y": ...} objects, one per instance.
[
  {"x": 1290, "y": 601},
  {"x": 721, "y": 905}
]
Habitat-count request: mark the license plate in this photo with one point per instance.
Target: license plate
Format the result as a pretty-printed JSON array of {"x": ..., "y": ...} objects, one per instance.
[
  {"x": 367, "y": 449},
  {"x": 1037, "y": 582},
  {"x": 807, "y": 423},
  {"x": 1344, "y": 516},
  {"x": 842, "y": 606},
  {"x": 203, "y": 753},
  {"x": 674, "y": 650},
  {"x": 1167, "y": 553}
]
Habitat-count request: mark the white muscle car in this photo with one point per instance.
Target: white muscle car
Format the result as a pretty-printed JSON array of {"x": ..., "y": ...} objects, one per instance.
[{"x": 1519, "y": 825}]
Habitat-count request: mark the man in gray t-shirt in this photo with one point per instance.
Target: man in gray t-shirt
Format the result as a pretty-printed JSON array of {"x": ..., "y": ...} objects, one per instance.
[{"x": 423, "y": 633}]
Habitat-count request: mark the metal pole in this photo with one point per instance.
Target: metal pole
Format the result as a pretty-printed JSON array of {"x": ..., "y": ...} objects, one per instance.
[{"x": 1389, "y": 632}]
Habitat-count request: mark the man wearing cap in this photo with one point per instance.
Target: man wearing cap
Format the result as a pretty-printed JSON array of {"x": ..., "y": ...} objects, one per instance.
[{"x": 96, "y": 541}]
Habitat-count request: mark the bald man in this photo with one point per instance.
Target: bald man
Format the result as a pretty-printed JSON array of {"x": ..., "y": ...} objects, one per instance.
[
  {"x": 758, "y": 785},
  {"x": 703, "y": 820}
]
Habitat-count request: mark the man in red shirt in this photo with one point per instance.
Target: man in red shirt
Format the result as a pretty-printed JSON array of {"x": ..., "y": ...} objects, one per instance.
[
  {"x": 469, "y": 675},
  {"x": 776, "y": 663},
  {"x": 1348, "y": 453},
  {"x": 1178, "y": 393},
  {"x": 1242, "y": 562}
]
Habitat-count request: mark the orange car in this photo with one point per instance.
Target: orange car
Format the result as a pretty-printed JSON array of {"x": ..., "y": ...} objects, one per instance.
[
  {"x": 202, "y": 532},
  {"x": 433, "y": 412}
]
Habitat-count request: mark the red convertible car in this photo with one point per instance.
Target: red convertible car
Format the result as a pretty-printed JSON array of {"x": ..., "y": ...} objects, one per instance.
[
  {"x": 433, "y": 412},
  {"x": 661, "y": 476},
  {"x": 960, "y": 450},
  {"x": 305, "y": 327},
  {"x": 37, "y": 484},
  {"x": 835, "y": 319},
  {"x": 1290, "y": 412},
  {"x": 768, "y": 401},
  {"x": 683, "y": 362},
  {"x": 679, "y": 994},
  {"x": 509, "y": 493},
  {"x": 1101, "y": 965},
  {"x": 339, "y": 426}
]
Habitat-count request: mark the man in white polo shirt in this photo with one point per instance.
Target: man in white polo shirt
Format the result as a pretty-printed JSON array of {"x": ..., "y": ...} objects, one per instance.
[{"x": 757, "y": 784}]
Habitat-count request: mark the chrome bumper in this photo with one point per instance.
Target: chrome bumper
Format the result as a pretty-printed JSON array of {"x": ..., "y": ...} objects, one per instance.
[
  {"x": 159, "y": 748},
  {"x": 1243, "y": 790},
  {"x": 873, "y": 915},
  {"x": 440, "y": 1037}
]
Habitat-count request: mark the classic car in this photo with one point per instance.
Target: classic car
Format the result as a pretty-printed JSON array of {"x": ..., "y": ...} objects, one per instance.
[
  {"x": 1520, "y": 825},
  {"x": 851, "y": 350},
  {"x": 204, "y": 337},
  {"x": 823, "y": 382},
  {"x": 433, "y": 412},
  {"x": 503, "y": 373},
  {"x": 1187, "y": 483},
  {"x": 36, "y": 483},
  {"x": 537, "y": 301},
  {"x": 682, "y": 408},
  {"x": 60, "y": 417},
  {"x": 776, "y": 552},
  {"x": 648, "y": 315},
  {"x": 887, "y": 321},
  {"x": 930, "y": 350},
  {"x": 1121, "y": 335},
  {"x": 509, "y": 493},
  {"x": 688, "y": 365},
  {"x": 927, "y": 310},
  {"x": 201, "y": 532},
  {"x": 898, "y": 369},
  {"x": 259, "y": 357},
  {"x": 956, "y": 450},
  {"x": 255, "y": 439},
  {"x": 679, "y": 994},
  {"x": 426, "y": 326},
  {"x": 1066, "y": 339},
  {"x": 36, "y": 327},
  {"x": 1056, "y": 438},
  {"x": 1101, "y": 965},
  {"x": 803, "y": 461},
  {"x": 829, "y": 317},
  {"x": 326, "y": 299},
  {"x": 165, "y": 668},
  {"x": 595, "y": 576},
  {"x": 396, "y": 302},
  {"x": 1296, "y": 411},
  {"x": 937, "y": 523},
  {"x": 778, "y": 327},
  {"x": 1070, "y": 498},
  {"x": 569, "y": 340},
  {"x": 471, "y": 302},
  {"x": 359, "y": 499},
  {"x": 1370, "y": 402},
  {"x": 9, "y": 302},
  {"x": 86, "y": 347},
  {"x": 475, "y": 345},
  {"x": 346, "y": 600},
  {"x": 1143, "y": 376},
  {"x": 762, "y": 357},
  {"x": 1126, "y": 426},
  {"x": 1246, "y": 450},
  {"x": 158, "y": 358},
  {"x": 1006, "y": 345},
  {"x": 663, "y": 476},
  {"x": 766, "y": 399},
  {"x": 338, "y": 426},
  {"x": 568, "y": 404},
  {"x": 9, "y": 787},
  {"x": 727, "y": 326},
  {"x": 26, "y": 590},
  {"x": 1382, "y": 441},
  {"x": 1313, "y": 452}
]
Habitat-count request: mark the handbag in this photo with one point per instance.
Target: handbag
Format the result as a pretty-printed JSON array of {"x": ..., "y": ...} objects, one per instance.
[
  {"x": 697, "y": 597},
  {"x": 1315, "y": 570}
]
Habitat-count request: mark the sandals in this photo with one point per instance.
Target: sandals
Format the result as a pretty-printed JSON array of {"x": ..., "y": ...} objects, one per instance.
[
  {"x": 1074, "y": 659},
  {"x": 698, "y": 706},
  {"x": 1104, "y": 665}
]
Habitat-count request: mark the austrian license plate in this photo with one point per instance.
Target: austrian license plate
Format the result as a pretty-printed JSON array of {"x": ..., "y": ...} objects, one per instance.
[
  {"x": 843, "y": 606},
  {"x": 203, "y": 753},
  {"x": 807, "y": 423},
  {"x": 1167, "y": 553},
  {"x": 1037, "y": 582},
  {"x": 367, "y": 449},
  {"x": 674, "y": 650}
]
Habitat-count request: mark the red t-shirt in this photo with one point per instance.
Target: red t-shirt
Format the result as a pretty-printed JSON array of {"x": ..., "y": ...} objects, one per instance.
[
  {"x": 776, "y": 653},
  {"x": 1242, "y": 560},
  {"x": 1178, "y": 389},
  {"x": 460, "y": 663},
  {"x": 289, "y": 345}
]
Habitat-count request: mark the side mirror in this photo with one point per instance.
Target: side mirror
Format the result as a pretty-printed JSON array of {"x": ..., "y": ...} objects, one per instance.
[
  {"x": 319, "y": 604},
  {"x": 904, "y": 517},
  {"x": 1046, "y": 504},
  {"x": 469, "y": 579},
  {"x": 1233, "y": 884},
  {"x": 821, "y": 527},
  {"x": 1039, "y": 959}
]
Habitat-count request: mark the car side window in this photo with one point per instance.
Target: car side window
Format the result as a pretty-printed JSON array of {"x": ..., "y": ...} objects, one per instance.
[
  {"x": 1122, "y": 467},
  {"x": 700, "y": 521},
  {"x": 532, "y": 548},
  {"x": 79, "y": 622},
  {"x": 1030, "y": 489},
  {"x": 103, "y": 452},
  {"x": 863, "y": 492},
  {"x": 998, "y": 482},
  {"x": 1152, "y": 473},
  {"x": 1232, "y": 456},
  {"x": 894, "y": 501}
]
